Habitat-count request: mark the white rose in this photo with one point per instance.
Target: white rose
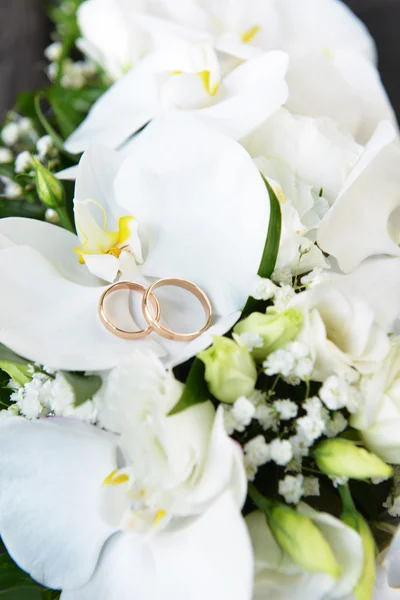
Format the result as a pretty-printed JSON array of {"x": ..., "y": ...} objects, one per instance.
[
  {"x": 378, "y": 418},
  {"x": 341, "y": 331},
  {"x": 277, "y": 576}
]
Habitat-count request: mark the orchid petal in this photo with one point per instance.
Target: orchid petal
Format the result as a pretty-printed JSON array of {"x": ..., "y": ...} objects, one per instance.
[
  {"x": 202, "y": 208},
  {"x": 136, "y": 99},
  {"x": 345, "y": 87},
  {"x": 125, "y": 571},
  {"x": 51, "y": 472},
  {"x": 56, "y": 323},
  {"x": 210, "y": 559},
  {"x": 252, "y": 93},
  {"x": 356, "y": 226}
]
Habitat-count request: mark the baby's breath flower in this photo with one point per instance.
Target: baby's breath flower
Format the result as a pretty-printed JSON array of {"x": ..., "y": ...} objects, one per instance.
[
  {"x": 281, "y": 452},
  {"x": 10, "y": 134},
  {"x": 250, "y": 339},
  {"x": 291, "y": 488},
  {"x": 335, "y": 425},
  {"x": 287, "y": 409},
  {"x": 243, "y": 411},
  {"x": 6, "y": 156},
  {"x": 53, "y": 52},
  {"x": 264, "y": 289},
  {"x": 23, "y": 162}
]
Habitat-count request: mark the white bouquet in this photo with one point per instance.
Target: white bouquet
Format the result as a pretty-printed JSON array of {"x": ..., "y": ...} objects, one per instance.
[{"x": 200, "y": 283}]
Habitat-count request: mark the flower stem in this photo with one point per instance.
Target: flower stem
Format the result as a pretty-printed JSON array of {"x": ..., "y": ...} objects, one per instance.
[
  {"x": 65, "y": 221},
  {"x": 347, "y": 500}
]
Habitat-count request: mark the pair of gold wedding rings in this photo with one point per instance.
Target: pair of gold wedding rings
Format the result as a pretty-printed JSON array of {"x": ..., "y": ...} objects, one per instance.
[{"x": 152, "y": 318}]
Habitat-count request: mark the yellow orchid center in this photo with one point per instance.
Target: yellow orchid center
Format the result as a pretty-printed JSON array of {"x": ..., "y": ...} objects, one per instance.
[
  {"x": 116, "y": 478},
  {"x": 205, "y": 77},
  {"x": 97, "y": 239},
  {"x": 249, "y": 35}
]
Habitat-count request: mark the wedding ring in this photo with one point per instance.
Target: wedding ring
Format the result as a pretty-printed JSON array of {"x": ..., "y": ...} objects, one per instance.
[
  {"x": 127, "y": 335},
  {"x": 154, "y": 322}
]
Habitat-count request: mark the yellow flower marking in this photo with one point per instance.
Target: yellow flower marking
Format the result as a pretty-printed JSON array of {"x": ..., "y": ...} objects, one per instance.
[
  {"x": 116, "y": 478},
  {"x": 159, "y": 516},
  {"x": 205, "y": 78},
  {"x": 98, "y": 239},
  {"x": 249, "y": 35}
]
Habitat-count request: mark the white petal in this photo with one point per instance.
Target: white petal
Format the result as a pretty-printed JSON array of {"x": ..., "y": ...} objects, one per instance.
[
  {"x": 345, "y": 87},
  {"x": 202, "y": 208},
  {"x": 97, "y": 170},
  {"x": 210, "y": 559},
  {"x": 382, "y": 589},
  {"x": 104, "y": 266},
  {"x": 392, "y": 561},
  {"x": 126, "y": 107},
  {"x": 346, "y": 545},
  {"x": 356, "y": 226},
  {"x": 54, "y": 243},
  {"x": 125, "y": 572},
  {"x": 51, "y": 472},
  {"x": 53, "y": 321},
  {"x": 251, "y": 93},
  {"x": 377, "y": 280},
  {"x": 323, "y": 25}
]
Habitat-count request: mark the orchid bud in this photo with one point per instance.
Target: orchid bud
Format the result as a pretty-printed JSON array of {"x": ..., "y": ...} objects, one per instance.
[
  {"x": 302, "y": 540},
  {"x": 50, "y": 190},
  {"x": 343, "y": 458},
  {"x": 364, "y": 589},
  {"x": 275, "y": 328},
  {"x": 230, "y": 370}
]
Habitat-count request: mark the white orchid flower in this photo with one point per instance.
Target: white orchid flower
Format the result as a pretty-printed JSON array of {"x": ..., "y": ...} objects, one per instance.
[
  {"x": 243, "y": 27},
  {"x": 201, "y": 212},
  {"x": 306, "y": 162},
  {"x": 332, "y": 55},
  {"x": 110, "y": 35},
  {"x": 341, "y": 330},
  {"x": 277, "y": 576},
  {"x": 149, "y": 512},
  {"x": 186, "y": 76},
  {"x": 363, "y": 222}
]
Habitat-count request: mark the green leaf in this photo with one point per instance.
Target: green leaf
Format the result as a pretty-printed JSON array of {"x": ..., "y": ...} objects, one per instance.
[
  {"x": 66, "y": 116},
  {"x": 7, "y": 170},
  {"x": 11, "y": 575},
  {"x": 49, "y": 129},
  {"x": 195, "y": 390},
  {"x": 22, "y": 593},
  {"x": 84, "y": 386},
  {"x": 10, "y": 356},
  {"x": 15, "y": 366},
  {"x": 271, "y": 248}
]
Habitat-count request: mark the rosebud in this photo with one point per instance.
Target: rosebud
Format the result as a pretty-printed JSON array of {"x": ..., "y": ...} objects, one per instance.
[
  {"x": 230, "y": 370},
  {"x": 343, "y": 458},
  {"x": 302, "y": 540},
  {"x": 276, "y": 329},
  {"x": 50, "y": 190},
  {"x": 364, "y": 589}
]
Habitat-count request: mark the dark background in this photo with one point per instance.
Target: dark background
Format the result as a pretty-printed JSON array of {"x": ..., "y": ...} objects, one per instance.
[{"x": 24, "y": 33}]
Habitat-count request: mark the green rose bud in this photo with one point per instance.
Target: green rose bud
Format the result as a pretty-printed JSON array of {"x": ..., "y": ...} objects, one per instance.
[
  {"x": 276, "y": 329},
  {"x": 343, "y": 458},
  {"x": 302, "y": 540},
  {"x": 230, "y": 370},
  {"x": 364, "y": 589},
  {"x": 50, "y": 190}
]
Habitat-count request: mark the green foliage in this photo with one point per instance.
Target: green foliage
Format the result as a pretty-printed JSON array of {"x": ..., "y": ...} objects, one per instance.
[
  {"x": 271, "y": 248},
  {"x": 84, "y": 386},
  {"x": 195, "y": 390},
  {"x": 18, "y": 585}
]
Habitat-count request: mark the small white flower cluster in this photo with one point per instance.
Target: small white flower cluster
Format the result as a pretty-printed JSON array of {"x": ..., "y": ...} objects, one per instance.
[
  {"x": 336, "y": 392},
  {"x": 293, "y": 362},
  {"x": 10, "y": 189},
  {"x": 392, "y": 502},
  {"x": 19, "y": 128},
  {"x": 281, "y": 295},
  {"x": 294, "y": 487},
  {"x": 48, "y": 394},
  {"x": 315, "y": 277},
  {"x": 250, "y": 339},
  {"x": 75, "y": 75}
]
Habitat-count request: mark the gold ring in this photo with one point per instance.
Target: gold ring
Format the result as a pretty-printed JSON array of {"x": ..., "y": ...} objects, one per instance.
[
  {"x": 153, "y": 321},
  {"x": 127, "y": 335}
]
